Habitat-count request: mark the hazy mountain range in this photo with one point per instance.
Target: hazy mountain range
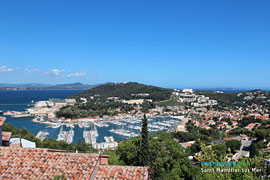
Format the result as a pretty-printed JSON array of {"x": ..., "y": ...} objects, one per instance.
[{"x": 76, "y": 85}]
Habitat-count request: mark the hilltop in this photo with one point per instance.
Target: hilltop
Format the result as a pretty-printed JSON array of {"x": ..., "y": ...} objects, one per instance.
[{"x": 129, "y": 90}]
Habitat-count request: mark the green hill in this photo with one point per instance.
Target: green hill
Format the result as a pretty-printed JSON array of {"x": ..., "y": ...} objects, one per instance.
[{"x": 127, "y": 91}]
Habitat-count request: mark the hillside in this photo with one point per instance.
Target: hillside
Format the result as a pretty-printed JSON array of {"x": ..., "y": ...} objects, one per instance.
[
  {"x": 239, "y": 98},
  {"x": 128, "y": 90}
]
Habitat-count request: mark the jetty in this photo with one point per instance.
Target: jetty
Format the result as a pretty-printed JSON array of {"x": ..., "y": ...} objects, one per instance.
[
  {"x": 42, "y": 135},
  {"x": 90, "y": 137},
  {"x": 66, "y": 136}
]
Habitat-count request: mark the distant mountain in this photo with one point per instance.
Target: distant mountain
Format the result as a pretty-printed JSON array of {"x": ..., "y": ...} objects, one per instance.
[
  {"x": 76, "y": 85},
  {"x": 129, "y": 90},
  {"x": 6, "y": 85}
]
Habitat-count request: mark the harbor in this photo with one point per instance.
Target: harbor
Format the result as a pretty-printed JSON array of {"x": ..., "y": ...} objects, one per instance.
[
  {"x": 119, "y": 129},
  {"x": 42, "y": 123}
]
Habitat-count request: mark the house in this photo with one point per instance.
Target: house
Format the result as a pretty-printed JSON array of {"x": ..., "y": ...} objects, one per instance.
[
  {"x": 20, "y": 142},
  {"x": 234, "y": 123},
  {"x": 221, "y": 126},
  {"x": 187, "y": 90},
  {"x": 70, "y": 101},
  {"x": 57, "y": 102},
  {"x": 217, "y": 141},
  {"x": 4, "y": 136},
  {"x": 84, "y": 100},
  {"x": 250, "y": 126},
  {"x": 267, "y": 150},
  {"x": 37, "y": 163},
  {"x": 136, "y": 101},
  {"x": 187, "y": 144},
  {"x": 245, "y": 137}
]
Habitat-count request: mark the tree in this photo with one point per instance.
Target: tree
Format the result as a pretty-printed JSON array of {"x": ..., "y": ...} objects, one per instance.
[
  {"x": 144, "y": 152},
  {"x": 219, "y": 149},
  {"x": 168, "y": 159},
  {"x": 233, "y": 145},
  {"x": 61, "y": 177}
]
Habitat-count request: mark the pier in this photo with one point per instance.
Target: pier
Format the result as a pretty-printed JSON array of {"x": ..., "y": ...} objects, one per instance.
[
  {"x": 90, "y": 137},
  {"x": 66, "y": 135}
]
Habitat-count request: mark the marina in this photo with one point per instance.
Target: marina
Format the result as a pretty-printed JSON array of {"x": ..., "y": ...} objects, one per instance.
[{"x": 120, "y": 128}]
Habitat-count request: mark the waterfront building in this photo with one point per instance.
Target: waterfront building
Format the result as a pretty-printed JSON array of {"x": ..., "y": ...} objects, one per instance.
[
  {"x": 57, "y": 102},
  {"x": 70, "y": 101},
  {"x": 136, "y": 101},
  {"x": 187, "y": 90}
]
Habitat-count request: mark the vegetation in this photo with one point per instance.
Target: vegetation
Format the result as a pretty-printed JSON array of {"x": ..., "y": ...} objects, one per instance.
[
  {"x": 234, "y": 145},
  {"x": 125, "y": 91},
  {"x": 144, "y": 152},
  {"x": 170, "y": 103},
  {"x": 209, "y": 155},
  {"x": 100, "y": 104},
  {"x": 168, "y": 160},
  {"x": 60, "y": 177},
  {"x": 94, "y": 109}
]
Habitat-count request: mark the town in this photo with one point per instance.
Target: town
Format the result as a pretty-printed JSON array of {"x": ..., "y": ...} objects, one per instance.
[{"x": 238, "y": 127}]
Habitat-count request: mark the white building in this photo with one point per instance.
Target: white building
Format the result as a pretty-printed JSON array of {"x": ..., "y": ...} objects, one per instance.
[
  {"x": 22, "y": 143},
  {"x": 187, "y": 90}
]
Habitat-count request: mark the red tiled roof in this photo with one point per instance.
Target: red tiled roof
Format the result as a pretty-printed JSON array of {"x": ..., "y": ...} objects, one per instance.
[
  {"x": 121, "y": 172},
  {"x": 187, "y": 144},
  {"x": 243, "y": 135},
  {"x": 41, "y": 164},
  {"x": 227, "y": 139},
  {"x": 6, "y": 136}
]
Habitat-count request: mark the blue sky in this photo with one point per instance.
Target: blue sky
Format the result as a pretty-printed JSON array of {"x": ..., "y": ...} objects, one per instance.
[{"x": 170, "y": 43}]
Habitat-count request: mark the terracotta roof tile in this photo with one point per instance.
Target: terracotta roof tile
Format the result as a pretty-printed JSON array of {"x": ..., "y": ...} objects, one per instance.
[
  {"x": 41, "y": 164},
  {"x": 24, "y": 163},
  {"x": 121, "y": 172}
]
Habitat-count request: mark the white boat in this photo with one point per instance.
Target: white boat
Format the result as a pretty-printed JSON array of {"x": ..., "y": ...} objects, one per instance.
[
  {"x": 111, "y": 130},
  {"x": 21, "y": 115},
  {"x": 101, "y": 124},
  {"x": 56, "y": 126},
  {"x": 9, "y": 113}
]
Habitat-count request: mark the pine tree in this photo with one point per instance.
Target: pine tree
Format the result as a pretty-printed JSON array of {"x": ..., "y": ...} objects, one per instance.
[{"x": 144, "y": 153}]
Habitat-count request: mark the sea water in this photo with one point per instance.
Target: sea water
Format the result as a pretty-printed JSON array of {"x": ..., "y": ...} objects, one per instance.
[{"x": 20, "y": 100}]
